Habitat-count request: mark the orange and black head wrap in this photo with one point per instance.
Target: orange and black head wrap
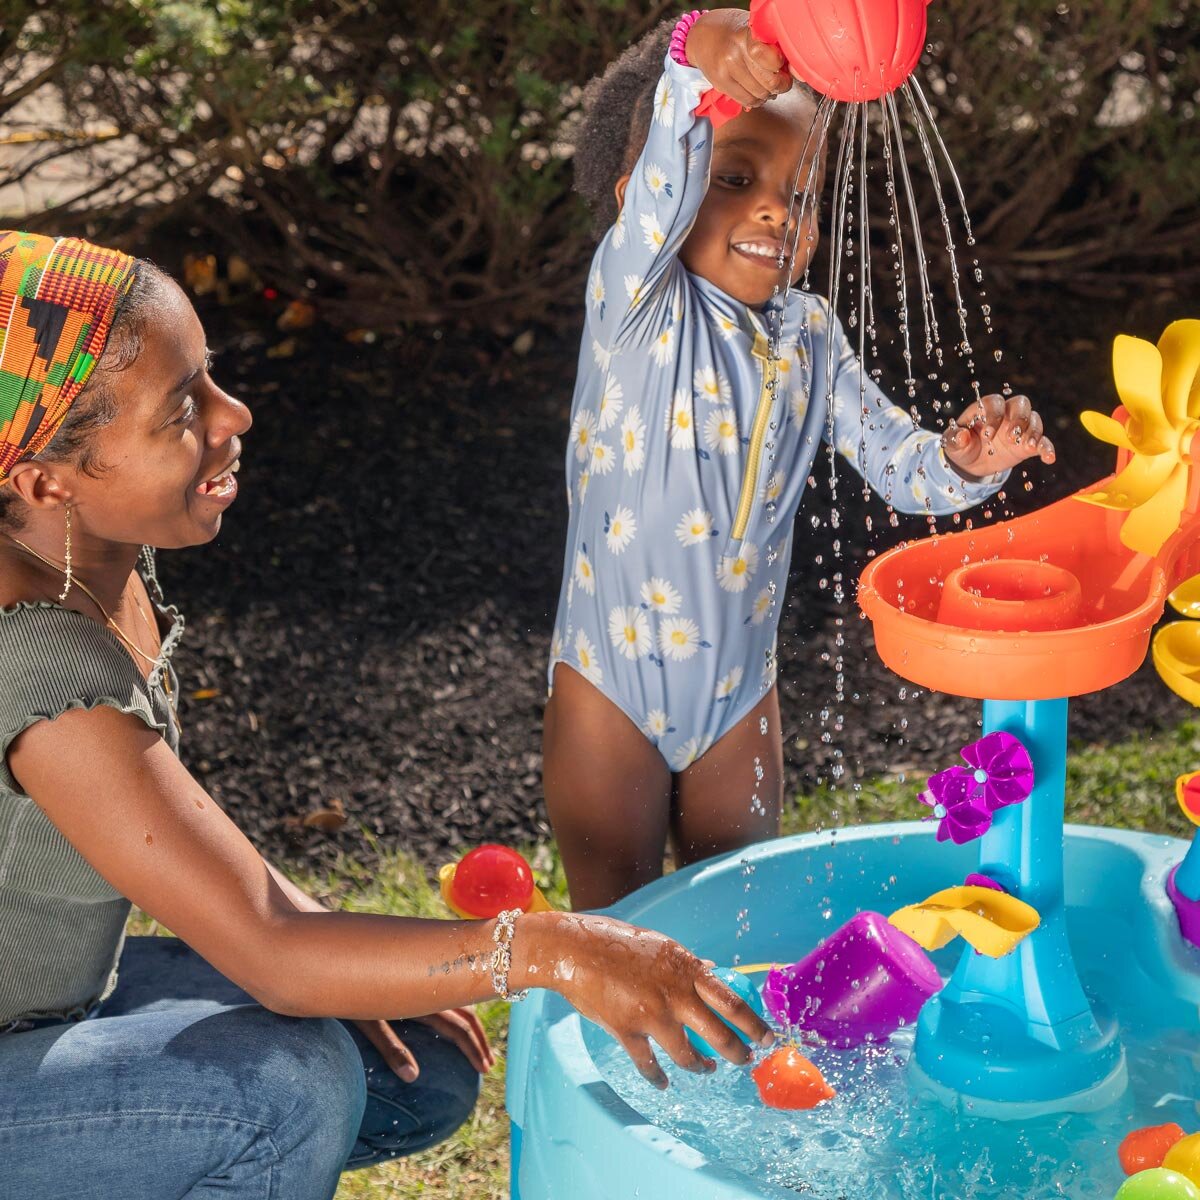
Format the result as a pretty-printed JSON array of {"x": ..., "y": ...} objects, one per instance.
[{"x": 57, "y": 299}]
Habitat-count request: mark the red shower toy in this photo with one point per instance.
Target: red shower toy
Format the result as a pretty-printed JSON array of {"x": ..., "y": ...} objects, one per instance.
[{"x": 844, "y": 49}]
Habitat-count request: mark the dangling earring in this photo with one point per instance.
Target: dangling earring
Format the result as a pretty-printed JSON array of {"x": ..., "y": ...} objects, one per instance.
[{"x": 67, "y": 569}]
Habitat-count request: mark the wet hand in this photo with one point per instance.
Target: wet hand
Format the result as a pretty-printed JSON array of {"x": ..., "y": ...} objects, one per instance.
[
  {"x": 722, "y": 47},
  {"x": 994, "y": 434},
  {"x": 458, "y": 1025},
  {"x": 642, "y": 988}
]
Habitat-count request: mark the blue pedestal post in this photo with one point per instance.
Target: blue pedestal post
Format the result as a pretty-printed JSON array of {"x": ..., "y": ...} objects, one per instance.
[{"x": 1019, "y": 1029}]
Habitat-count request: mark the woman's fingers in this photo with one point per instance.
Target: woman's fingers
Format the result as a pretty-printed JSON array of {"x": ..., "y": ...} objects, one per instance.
[
  {"x": 398, "y": 1057},
  {"x": 637, "y": 1046},
  {"x": 674, "y": 1040},
  {"x": 728, "y": 1004},
  {"x": 451, "y": 1026}
]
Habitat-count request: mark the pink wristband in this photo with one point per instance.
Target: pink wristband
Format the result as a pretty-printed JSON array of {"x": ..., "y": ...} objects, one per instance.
[{"x": 679, "y": 36}]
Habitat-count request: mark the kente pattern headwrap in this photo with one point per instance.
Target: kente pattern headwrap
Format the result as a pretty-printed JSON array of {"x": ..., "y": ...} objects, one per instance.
[{"x": 57, "y": 297}]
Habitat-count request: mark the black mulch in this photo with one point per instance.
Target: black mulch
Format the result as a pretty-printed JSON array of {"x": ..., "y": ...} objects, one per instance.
[{"x": 375, "y": 615}]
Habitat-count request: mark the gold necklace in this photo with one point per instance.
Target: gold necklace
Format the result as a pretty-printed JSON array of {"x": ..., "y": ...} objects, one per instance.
[{"x": 87, "y": 591}]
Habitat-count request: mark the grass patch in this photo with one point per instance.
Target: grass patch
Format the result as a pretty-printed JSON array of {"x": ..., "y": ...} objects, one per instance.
[{"x": 1129, "y": 783}]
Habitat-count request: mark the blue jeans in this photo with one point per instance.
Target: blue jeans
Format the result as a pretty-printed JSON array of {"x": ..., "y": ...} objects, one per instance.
[{"x": 183, "y": 1086}]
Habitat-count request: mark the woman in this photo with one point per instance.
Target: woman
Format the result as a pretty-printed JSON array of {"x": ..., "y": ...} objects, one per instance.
[{"x": 220, "y": 1063}]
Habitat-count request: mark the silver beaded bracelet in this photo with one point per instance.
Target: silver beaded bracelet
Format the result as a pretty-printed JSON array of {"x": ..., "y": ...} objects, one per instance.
[{"x": 502, "y": 935}]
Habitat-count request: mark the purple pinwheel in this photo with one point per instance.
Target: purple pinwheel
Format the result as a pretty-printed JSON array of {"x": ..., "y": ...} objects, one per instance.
[{"x": 963, "y": 799}]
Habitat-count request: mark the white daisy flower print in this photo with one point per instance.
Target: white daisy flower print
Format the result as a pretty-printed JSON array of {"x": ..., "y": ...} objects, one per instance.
[
  {"x": 603, "y": 457},
  {"x": 816, "y": 318},
  {"x": 596, "y": 292},
  {"x": 633, "y": 440},
  {"x": 556, "y": 646},
  {"x": 585, "y": 574},
  {"x": 725, "y": 326},
  {"x": 629, "y": 632},
  {"x": 652, "y": 233},
  {"x": 720, "y": 431},
  {"x": 762, "y": 606},
  {"x": 583, "y": 435},
  {"x": 728, "y": 684},
  {"x": 656, "y": 179},
  {"x": 633, "y": 289},
  {"x": 601, "y": 356},
  {"x": 773, "y": 488},
  {"x": 798, "y": 402},
  {"x": 695, "y": 527},
  {"x": 712, "y": 387},
  {"x": 585, "y": 478},
  {"x": 585, "y": 655},
  {"x": 660, "y": 596},
  {"x": 736, "y": 570},
  {"x": 681, "y": 424},
  {"x": 664, "y": 102},
  {"x": 678, "y": 638},
  {"x": 620, "y": 529},
  {"x": 611, "y": 403},
  {"x": 657, "y": 724},
  {"x": 662, "y": 347},
  {"x": 691, "y": 750},
  {"x": 618, "y": 233}
]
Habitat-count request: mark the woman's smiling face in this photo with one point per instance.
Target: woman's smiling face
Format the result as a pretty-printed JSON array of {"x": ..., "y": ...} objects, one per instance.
[
  {"x": 165, "y": 466},
  {"x": 742, "y": 227}
]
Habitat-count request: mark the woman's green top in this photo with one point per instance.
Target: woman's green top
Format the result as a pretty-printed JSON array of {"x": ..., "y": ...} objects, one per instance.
[{"x": 62, "y": 925}]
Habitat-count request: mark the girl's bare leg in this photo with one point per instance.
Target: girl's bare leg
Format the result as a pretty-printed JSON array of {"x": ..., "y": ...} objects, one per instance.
[
  {"x": 608, "y": 793},
  {"x": 714, "y": 808}
]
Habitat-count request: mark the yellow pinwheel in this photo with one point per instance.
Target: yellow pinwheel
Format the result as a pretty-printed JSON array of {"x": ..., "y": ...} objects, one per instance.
[
  {"x": 1160, "y": 389},
  {"x": 1176, "y": 647}
]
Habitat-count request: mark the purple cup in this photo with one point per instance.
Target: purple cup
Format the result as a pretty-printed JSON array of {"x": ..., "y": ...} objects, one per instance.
[{"x": 860, "y": 984}]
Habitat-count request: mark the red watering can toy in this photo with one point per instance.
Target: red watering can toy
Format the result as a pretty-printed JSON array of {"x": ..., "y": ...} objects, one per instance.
[{"x": 844, "y": 49}]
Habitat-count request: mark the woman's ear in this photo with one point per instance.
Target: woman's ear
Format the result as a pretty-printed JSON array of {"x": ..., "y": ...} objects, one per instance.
[
  {"x": 36, "y": 485},
  {"x": 619, "y": 189}
]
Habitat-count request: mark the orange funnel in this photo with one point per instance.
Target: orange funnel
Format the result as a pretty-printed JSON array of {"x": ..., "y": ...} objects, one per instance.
[{"x": 1044, "y": 606}]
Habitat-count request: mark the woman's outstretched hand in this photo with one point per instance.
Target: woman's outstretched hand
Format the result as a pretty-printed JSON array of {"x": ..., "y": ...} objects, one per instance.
[
  {"x": 722, "y": 47},
  {"x": 638, "y": 985},
  {"x": 994, "y": 434}
]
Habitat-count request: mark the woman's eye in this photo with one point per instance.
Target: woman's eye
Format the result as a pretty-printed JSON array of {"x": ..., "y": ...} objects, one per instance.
[{"x": 187, "y": 413}]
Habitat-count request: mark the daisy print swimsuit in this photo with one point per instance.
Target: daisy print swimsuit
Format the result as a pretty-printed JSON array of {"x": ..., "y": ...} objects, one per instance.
[{"x": 689, "y": 453}]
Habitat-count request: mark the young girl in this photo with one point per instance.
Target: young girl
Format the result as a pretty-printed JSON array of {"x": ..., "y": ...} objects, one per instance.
[
  {"x": 214, "y": 1064},
  {"x": 689, "y": 454}
]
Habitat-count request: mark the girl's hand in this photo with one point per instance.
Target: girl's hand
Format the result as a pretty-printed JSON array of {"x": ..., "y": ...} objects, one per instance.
[
  {"x": 458, "y": 1025},
  {"x": 722, "y": 47},
  {"x": 995, "y": 434},
  {"x": 637, "y": 985}
]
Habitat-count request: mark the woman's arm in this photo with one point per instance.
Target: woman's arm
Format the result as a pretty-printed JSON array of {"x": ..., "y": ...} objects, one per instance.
[{"x": 132, "y": 810}]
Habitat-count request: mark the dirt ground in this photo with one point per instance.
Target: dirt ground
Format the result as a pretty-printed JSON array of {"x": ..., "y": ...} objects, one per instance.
[{"x": 369, "y": 632}]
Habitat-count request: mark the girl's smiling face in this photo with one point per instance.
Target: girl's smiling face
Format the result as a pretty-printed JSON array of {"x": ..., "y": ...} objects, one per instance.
[{"x": 742, "y": 227}]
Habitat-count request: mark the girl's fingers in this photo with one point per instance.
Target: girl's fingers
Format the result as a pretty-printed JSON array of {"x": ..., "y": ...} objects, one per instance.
[
  {"x": 733, "y": 1008},
  {"x": 991, "y": 415},
  {"x": 1046, "y": 451},
  {"x": 637, "y": 1046},
  {"x": 767, "y": 59},
  {"x": 1033, "y": 433}
]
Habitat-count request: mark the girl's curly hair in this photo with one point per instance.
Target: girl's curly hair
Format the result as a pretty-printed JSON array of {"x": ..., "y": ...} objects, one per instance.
[{"x": 617, "y": 108}]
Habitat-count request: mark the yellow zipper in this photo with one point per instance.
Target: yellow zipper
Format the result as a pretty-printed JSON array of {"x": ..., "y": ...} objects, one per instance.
[{"x": 762, "y": 351}]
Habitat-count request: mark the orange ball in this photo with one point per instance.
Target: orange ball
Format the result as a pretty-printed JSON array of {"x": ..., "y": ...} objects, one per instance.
[
  {"x": 1144, "y": 1149},
  {"x": 786, "y": 1079}
]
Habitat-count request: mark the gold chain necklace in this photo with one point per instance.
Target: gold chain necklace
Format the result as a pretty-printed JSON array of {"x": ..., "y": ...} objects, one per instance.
[{"x": 87, "y": 591}]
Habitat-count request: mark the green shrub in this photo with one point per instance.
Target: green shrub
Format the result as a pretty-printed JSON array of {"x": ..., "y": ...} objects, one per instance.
[{"x": 413, "y": 164}]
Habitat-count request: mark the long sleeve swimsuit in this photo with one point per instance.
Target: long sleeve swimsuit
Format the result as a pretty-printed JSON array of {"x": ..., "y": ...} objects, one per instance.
[{"x": 689, "y": 454}]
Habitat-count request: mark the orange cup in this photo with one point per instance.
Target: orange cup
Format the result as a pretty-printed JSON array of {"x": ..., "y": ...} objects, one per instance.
[{"x": 1010, "y": 595}]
